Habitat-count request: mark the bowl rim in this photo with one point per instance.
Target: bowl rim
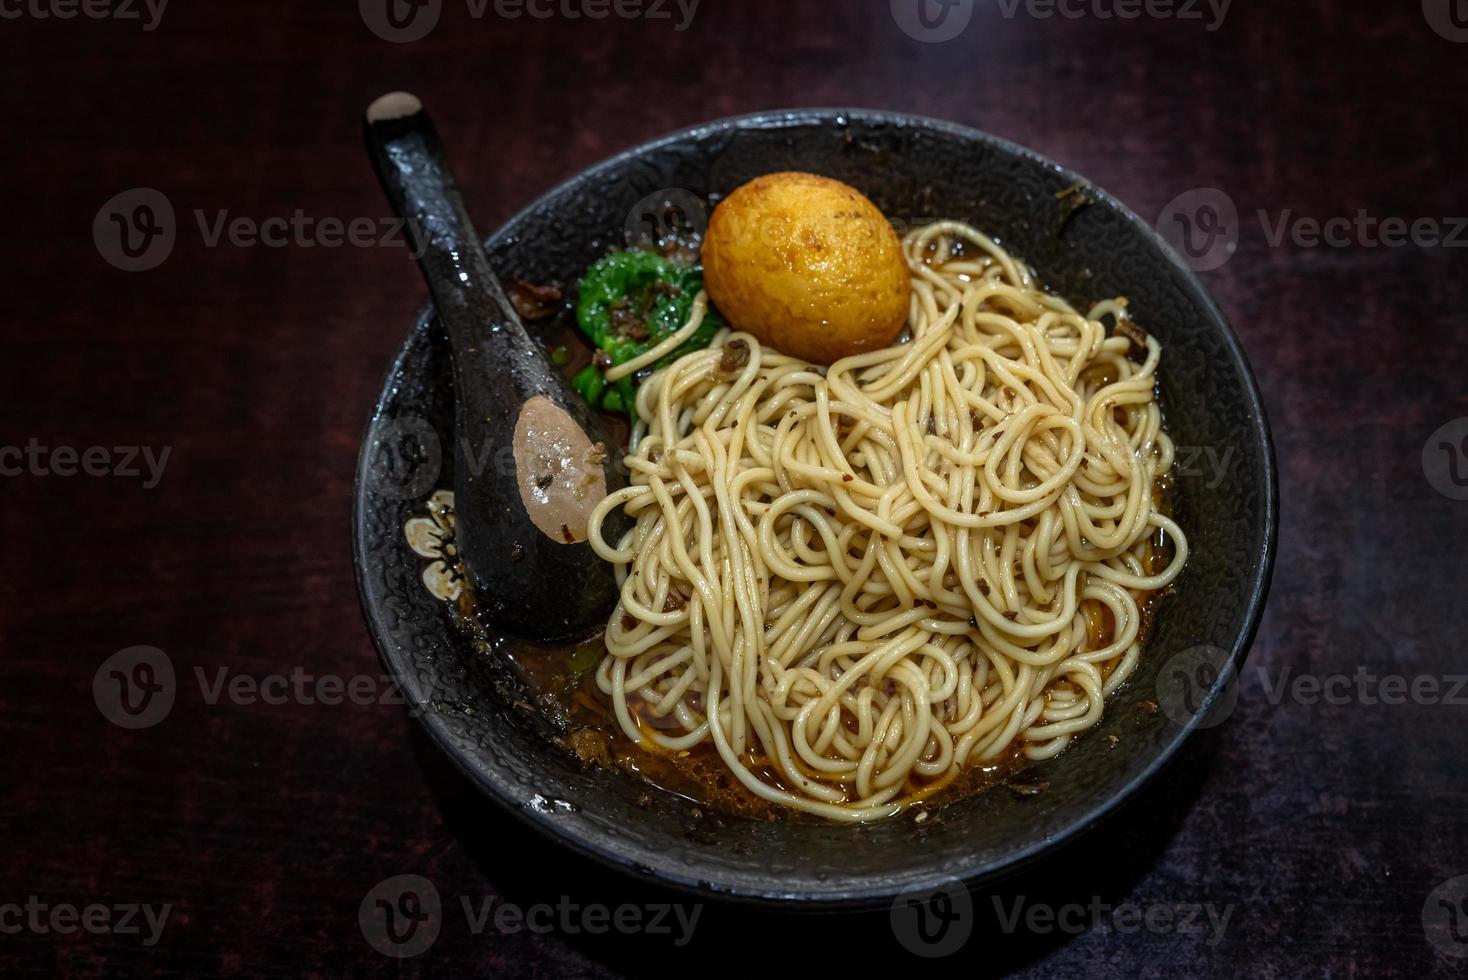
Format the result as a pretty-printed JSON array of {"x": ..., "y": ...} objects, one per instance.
[{"x": 704, "y": 888}]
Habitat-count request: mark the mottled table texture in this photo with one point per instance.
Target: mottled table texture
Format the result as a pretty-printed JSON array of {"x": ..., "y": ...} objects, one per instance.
[{"x": 1308, "y": 833}]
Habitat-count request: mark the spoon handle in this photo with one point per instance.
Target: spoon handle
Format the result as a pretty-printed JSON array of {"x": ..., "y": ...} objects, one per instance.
[
  {"x": 531, "y": 459},
  {"x": 410, "y": 162}
]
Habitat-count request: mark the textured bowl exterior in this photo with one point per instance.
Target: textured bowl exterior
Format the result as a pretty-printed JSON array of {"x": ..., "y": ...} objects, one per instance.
[{"x": 916, "y": 170}]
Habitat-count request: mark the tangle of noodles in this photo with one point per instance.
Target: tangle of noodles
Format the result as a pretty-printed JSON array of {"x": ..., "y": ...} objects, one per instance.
[{"x": 854, "y": 581}]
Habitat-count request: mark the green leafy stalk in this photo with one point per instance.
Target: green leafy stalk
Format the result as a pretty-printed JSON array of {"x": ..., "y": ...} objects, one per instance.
[{"x": 629, "y": 302}]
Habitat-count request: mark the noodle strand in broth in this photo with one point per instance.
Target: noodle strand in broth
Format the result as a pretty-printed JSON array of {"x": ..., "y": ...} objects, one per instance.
[{"x": 853, "y": 582}]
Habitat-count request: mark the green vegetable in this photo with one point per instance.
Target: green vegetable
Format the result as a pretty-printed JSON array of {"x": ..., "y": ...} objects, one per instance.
[{"x": 629, "y": 302}]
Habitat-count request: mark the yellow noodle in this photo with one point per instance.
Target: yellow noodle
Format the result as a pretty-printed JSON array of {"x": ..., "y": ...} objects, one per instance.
[{"x": 874, "y": 572}]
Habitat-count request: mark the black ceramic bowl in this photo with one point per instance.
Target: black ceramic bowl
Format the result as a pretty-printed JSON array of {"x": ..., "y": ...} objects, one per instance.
[{"x": 914, "y": 169}]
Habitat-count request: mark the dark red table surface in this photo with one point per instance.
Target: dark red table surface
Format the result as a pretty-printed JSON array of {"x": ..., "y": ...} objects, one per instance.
[{"x": 1325, "y": 828}]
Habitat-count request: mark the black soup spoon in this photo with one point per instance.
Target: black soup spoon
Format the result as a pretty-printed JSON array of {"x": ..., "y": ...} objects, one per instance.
[{"x": 520, "y": 523}]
